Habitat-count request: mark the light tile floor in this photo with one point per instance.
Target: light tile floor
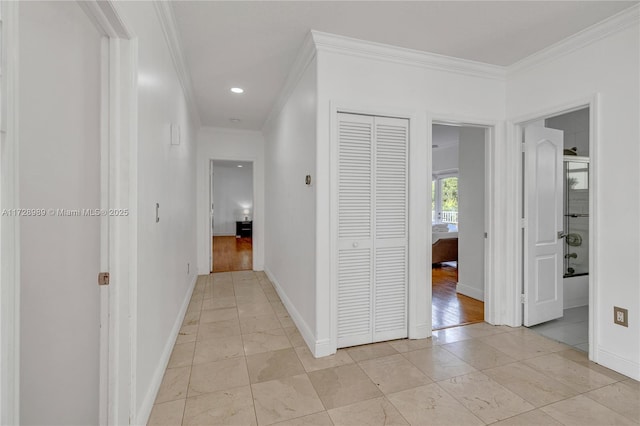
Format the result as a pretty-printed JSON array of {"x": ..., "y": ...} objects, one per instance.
[
  {"x": 239, "y": 360},
  {"x": 572, "y": 328}
]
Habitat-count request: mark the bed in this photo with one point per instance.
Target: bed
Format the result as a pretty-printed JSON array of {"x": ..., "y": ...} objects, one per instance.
[{"x": 444, "y": 247}]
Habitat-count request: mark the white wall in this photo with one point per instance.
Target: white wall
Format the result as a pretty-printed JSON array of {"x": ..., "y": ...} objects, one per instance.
[
  {"x": 608, "y": 67},
  {"x": 445, "y": 159},
  {"x": 290, "y": 215},
  {"x": 166, "y": 175},
  {"x": 229, "y": 144},
  {"x": 471, "y": 209},
  {"x": 232, "y": 193},
  {"x": 386, "y": 87},
  {"x": 59, "y": 90}
]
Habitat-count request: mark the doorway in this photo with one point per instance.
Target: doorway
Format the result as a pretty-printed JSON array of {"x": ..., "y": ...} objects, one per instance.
[
  {"x": 565, "y": 319},
  {"x": 231, "y": 215},
  {"x": 458, "y": 225}
]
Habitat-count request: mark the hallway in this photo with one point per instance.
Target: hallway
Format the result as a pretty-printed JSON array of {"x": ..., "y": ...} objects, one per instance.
[
  {"x": 239, "y": 359},
  {"x": 450, "y": 308}
]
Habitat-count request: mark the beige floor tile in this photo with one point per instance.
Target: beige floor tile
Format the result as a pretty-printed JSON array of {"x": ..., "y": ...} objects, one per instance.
[
  {"x": 187, "y": 334},
  {"x": 341, "y": 357},
  {"x": 408, "y": 345},
  {"x": 375, "y": 350},
  {"x": 219, "y": 277},
  {"x": 273, "y": 365},
  {"x": 229, "y": 407},
  {"x": 218, "y": 375},
  {"x": 621, "y": 397},
  {"x": 265, "y": 341},
  {"x": 271, "y": 294},
  {"x": 393, "y": 373},
  {"x": 344, "y": 385},
  {"x": 216, "y": 330},
  {"x": 217, "y": 315},
  {"x": 167, "y": 413},
  {"x": 182, "y": 355},
  {"x": 373, "y": 412},
  {"x": 259, "y": 323},
  {"x": 221, "y": 290},
  {"x": 286, "y": 321},
  {"x": 284, "y": 399},
  {"x": 458, "y": 334},
  {"x": 294, "y": 336},
  {"x": 218, "y": 349},
  {"x": 219, "y": 303},
  {"x": 255, "y": 309},
  {"x": 174, "y": 384},
  {"x": 478, "y": 354},
  {"x": 194, "y": 306},
  {"x": 191, "y": 318},
  {"x": 238, "y": 276},
  {"x": 485, "y": 398},
  {"x": 583, "y": 411},
  {"x": 318, "y": 419},
  {"x": 530, "y": 384},
  {"x": 582, "y": 358},
  {"x": 521, "y": 346},
  {"x": 431, "y": 405},
  {"x": 532, "y": 418},
  {"x": 438, "y": 363},
  {"x": 572, "y": 374}
]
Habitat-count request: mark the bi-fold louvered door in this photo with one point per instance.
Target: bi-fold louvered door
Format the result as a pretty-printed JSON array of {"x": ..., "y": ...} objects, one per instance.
[{"x": 372, "y": 228}]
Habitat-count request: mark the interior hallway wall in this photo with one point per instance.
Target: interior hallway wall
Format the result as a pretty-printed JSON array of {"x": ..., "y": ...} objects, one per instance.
[{"x": 232, "y": 193}]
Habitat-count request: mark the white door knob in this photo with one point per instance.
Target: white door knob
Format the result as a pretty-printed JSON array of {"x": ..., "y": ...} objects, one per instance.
[{"x": 355, "y": 244}]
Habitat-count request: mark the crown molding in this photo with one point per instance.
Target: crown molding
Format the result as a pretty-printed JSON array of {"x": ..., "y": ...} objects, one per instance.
[
  {"x": 400, "y": 55},
  {"x": 579, "y": 40},
  {"x": 306, "y": 54},
  {"x": 164, "y": 10}
]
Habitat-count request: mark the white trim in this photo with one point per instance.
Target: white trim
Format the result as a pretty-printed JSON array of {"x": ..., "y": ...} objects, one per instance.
[
  {"x": 305, "y": 56},
  {"x": 619, "y": 364},
  {"x": 513, "y": 221},
  {"x": 303, "y": 327},
  {"x": 473, "y": 292},
  {"x": 592, "y": 34},
  {"x": 400, "y": 55},
  {"x": 257, "y": 224},
  {"x": 9, "y": 226},
  {"x": 144, "y": 411},
  {"x": 418, "y": 322},
  {"x": 164, "y": 10}
]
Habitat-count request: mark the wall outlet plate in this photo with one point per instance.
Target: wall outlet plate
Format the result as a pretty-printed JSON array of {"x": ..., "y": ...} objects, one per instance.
[{"x": 621, "y": 316}]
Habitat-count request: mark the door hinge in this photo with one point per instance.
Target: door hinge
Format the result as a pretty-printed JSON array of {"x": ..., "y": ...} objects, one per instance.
[
  {"x": 523, "y": 298},
  {"x": 103, "y": 278}
]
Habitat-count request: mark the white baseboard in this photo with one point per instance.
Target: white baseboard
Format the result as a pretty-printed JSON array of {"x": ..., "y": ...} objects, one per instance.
[
  {"x": 421, "y": 331},
  {"x": 621, "y": 365},
  {"x": 472, "y": 292},
  {"x": 317, "y": 348},
  {"x": 144, "y": 410},
  {"x": 575, "y": 303}
]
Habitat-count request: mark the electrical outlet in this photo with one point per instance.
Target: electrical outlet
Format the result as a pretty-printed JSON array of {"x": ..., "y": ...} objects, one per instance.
[{"x": 621, "y": 316}]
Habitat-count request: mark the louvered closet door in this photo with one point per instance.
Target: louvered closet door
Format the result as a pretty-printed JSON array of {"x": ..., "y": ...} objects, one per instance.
[{"x": 372, "y": 229}]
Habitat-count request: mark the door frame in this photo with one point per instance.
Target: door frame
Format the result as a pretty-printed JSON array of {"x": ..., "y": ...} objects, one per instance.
[
  {"x": 254, "y": 182},
  {"x": 491, "y": 294},
  {"x": 516, "y": 127},
  {"x": 118, "y": 146}
]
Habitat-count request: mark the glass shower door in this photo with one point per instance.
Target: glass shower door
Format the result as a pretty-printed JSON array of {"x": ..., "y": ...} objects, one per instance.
[{"x": 576, "y": 213}]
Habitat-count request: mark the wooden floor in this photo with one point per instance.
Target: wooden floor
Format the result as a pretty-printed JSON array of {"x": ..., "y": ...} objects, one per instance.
[
  {"x": 232, "y": 254},
  {"x": 449, "y": 308}
]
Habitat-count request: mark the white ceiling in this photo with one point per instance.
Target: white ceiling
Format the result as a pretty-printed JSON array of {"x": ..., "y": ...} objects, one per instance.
[
  {"x": 445, "y": 136},
  {"x": 252, "y": 44},
  {"x": 228, "y": 163}
]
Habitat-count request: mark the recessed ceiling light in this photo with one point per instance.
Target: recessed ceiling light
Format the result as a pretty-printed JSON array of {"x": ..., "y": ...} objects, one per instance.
[
  {"x": 237, "y": 90},
  {"x": 235, "y": 120},
  {"x": 240, "y": 165}
]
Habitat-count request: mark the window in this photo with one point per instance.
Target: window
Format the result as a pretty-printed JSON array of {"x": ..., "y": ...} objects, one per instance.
[{"x": 444, "y": 198}]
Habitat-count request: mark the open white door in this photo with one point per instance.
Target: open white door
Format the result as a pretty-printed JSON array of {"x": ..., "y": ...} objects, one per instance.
[
  {"x": 210, "y": 216},
  {"x": 544, "y": 225}
]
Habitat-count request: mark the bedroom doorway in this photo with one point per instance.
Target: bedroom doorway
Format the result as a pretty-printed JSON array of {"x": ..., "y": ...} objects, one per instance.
[
  {"x": 458, "y": 224},
  {"x": 231, "y": 215}
]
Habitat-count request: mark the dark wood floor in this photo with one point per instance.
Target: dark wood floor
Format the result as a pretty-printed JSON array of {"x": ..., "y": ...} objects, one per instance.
[
  {"x": 449, "y": 308},
  {"x": 232, "y": 254}
]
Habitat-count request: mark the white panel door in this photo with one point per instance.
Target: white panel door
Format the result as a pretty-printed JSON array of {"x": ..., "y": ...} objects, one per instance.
[
  {"x": 390, "y": 216},
  {"x": 543, "y": 213},
  {"x": 372, "y": 229}
]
